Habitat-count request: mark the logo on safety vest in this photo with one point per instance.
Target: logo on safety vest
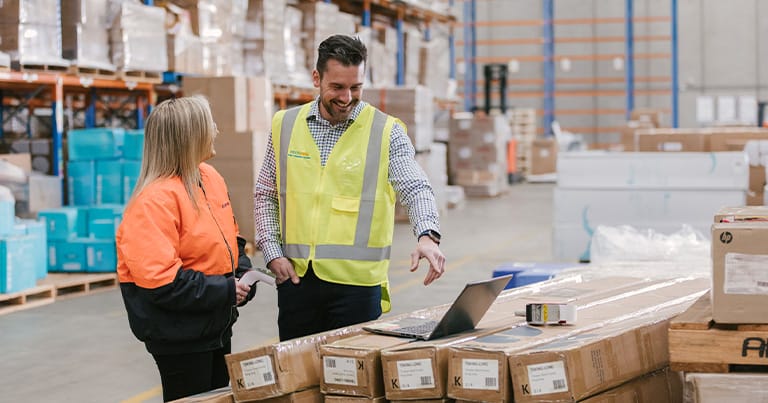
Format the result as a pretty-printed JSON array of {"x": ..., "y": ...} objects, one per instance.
[{"x": 299, "y": 154}]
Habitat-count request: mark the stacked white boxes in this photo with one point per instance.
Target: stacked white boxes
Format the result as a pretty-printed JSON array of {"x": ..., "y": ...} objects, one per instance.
[
  {"x": 137, "y": 38},
  {"x": 653, "y": 190},
  {"x": 31, "y": 32},
  {"x": 414, "y": 106}
]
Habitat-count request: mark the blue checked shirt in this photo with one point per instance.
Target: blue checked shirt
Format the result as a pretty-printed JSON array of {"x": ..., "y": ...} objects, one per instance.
[{"x": 406, "y": 176}]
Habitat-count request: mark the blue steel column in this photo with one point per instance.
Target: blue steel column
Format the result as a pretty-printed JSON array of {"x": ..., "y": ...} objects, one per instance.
[
  {"x": 470, "y": 51},
  {"x": 366, "y": 12},
  {"x": 549, "y": 65},
  {"x": 675, "y": 84},
  {"x": 90, "y": 111},
  {"x": 629, "y": 56}
]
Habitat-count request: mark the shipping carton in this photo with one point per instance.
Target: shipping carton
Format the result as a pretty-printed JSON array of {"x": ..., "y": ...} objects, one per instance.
[
  {"x": 478, "y": 369},
  {"x": 662, "y": 386},
  {"x": 419, "y": 370},
  {"x": 572, "y": 369},
  {"x": 544, "y": 156},
  {"x": 739, "y": 272},
  {"x": 352, "y": 366},
  {"x": 354, "y": 399},
  {"x": 311, "y": 395},
  {"x": 731, "y": 387},
  {"x": 228, "y": 97}
]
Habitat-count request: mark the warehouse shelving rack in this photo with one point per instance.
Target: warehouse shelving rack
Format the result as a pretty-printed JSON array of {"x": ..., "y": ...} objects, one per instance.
[
  {"x": 30, "y": 89},
  {"x": 549, "y": 91}
]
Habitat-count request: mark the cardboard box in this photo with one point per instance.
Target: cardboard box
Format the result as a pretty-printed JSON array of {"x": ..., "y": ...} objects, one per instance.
[
  {"x": 419, "y": 370},
  {"x": 544, "y": 156},
  {"x": 731, "y": 387},
  {"x": 742, "y": 213},
  {"x": 734, "y": 139},
  {"x": 593, "y": 362},
  {"x": 352, "y": 366},
  {"x": 670, "y": 140},
  {"x": 663, "y": 386},
  {"x": 356, "y": 399},
  {"x": 739, "y": 272},
  {"x": 228, "y": 97},
  {"x": 480, "y": 368}
]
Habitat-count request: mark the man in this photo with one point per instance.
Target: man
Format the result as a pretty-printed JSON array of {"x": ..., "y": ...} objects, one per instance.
[{"x": 325, "y": 200}]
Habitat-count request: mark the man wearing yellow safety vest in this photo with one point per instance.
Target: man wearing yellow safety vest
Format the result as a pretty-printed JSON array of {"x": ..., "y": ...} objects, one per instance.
[{"x": 325, "y": 200}]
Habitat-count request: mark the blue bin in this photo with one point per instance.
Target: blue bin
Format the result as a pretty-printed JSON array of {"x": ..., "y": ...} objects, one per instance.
[
  {"x": 67, "y": 256},
  {"x": 7, "y": 217},
  {"x": 17, "y": 271},
  {"x": 131, "y": 170},
  {"x": 62, "y": 223},
  {"x": 102, "y": 228},
  {"x": 81, "y": 183},
  {"x": 109, "y": 178},
  {"x": 100, "y": 255},
  {"x": 95, "y": 144},
  {"x": 38, "y": 232},
  {"x": 133, "y": 149}
]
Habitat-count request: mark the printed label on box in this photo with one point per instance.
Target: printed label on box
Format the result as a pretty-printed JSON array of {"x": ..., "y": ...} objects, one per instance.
[
  {"x": 480, "y": 374},
  {"x": 257, "y": 372},
  {"x": 415, "y": 374},
  {"x": 745, "y": 274},
  {"x": 340, "y": 371},
  {"x": 548, "y": 377}
]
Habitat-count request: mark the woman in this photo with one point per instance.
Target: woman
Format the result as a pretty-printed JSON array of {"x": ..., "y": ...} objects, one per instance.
[{"x": 176, "y": 252}]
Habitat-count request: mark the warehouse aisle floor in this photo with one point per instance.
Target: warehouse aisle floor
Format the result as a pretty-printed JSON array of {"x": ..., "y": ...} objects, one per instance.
[{"x": 81, "y": 349}]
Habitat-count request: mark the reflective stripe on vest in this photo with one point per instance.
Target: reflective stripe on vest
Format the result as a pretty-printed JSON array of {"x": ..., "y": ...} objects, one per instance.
[{"x": 359, "y": 250}]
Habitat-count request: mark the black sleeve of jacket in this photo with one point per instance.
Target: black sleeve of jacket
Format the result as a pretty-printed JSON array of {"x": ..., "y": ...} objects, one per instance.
[
  {"x": 192, "y": 290},
  {"x": 243, "y": 265},
  {"x": 243, "y": 261}
]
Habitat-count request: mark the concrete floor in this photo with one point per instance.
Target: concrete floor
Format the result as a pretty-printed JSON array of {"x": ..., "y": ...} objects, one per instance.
[{"x": 81, "y": 349}]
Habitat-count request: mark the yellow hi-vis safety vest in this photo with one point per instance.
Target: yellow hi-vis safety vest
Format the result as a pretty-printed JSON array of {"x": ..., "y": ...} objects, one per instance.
[{"x": 341, "y": 216}]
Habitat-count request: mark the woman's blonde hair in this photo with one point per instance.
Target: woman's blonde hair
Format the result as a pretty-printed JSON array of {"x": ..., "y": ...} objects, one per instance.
[{"x": 178, "y": 136}]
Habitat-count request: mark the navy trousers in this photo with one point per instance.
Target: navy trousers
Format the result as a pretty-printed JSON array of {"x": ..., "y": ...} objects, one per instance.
[{"x": 315, "y": 306}]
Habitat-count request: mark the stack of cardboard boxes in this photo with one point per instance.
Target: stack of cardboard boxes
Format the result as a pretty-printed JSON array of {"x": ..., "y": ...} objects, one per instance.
[
  {"x": 617, "y": 347},
  {"x": 477, "y": 154},
  {"x": 720, "y": 341},
  {"x": 242, "y": 109}
]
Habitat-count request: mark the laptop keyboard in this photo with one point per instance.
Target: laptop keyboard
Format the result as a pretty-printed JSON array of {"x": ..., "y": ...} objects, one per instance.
[{"x": 421, "y": 329}]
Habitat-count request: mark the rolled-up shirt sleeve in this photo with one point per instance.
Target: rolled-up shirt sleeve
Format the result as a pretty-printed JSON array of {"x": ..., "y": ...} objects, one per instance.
[{"x": 411, "y": 183}]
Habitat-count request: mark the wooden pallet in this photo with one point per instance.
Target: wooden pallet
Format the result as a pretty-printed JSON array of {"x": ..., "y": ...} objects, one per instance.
[
  {"x": 698, "y": 344},
  {"x": 72, "y": 284},
  {"x": 36, "y": 296},
  {"x": 93, "y": 72},
  {"x": 151, "y": 77},
  {"x": 53, "y": 67}
]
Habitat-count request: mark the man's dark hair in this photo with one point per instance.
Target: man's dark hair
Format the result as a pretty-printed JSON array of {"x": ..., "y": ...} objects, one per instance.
[{"x": 347, "y": 50}]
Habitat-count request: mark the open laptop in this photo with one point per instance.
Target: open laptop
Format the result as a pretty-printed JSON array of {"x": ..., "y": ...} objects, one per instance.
[{"x": 464, "y": 314}]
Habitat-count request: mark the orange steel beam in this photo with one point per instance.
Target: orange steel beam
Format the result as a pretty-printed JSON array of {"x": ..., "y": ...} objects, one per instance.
[
  {"x": 586, "y": 39},
  {"x": 578, "y": 93},
  {"x": 565, "y": 21},
  {"x": 579, "y": 80}
]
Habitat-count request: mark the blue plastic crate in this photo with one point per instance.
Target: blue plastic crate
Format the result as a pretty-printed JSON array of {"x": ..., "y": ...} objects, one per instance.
[
  {"x": 67, "y": 256},
  {"x": 95, "y": 144},
  {"x": 133, "y": 149},
  {"x": 109, "y": 177},
  {"x": 17, "y": 271},
  {"x": 81, "y": 183},
  {"x": 102, "y": 228},
  {"x": 131, "y": 171},
  {"x": 100, "y": 255},
  {"x": 7, "y": 217},
  {"x": 62, "y": 223},
  {"x": 38, "y": 232}
]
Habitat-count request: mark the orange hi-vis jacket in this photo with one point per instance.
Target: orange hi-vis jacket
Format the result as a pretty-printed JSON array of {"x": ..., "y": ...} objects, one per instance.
[{"x": 176, "y": 265}]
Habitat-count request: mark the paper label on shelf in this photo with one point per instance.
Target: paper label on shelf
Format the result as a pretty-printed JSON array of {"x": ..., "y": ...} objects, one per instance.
[
  {"x": 340, "y": 371},
  {"x": 548, "y": 377},
  {"x": 257, "y": 372},
  {"x": 480, "y": 374},
  {"x": 745, "y": 274},
  {"x": 415, "y": 374}
]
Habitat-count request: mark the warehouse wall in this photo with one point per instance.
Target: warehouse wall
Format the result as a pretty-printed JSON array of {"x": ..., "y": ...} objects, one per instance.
[{"x": 722, "y": 52}]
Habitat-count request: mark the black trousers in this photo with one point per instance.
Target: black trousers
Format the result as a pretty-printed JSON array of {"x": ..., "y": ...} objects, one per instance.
[
  {"x": 315, "y": 306},
  {"x": 189, "y": 374}
]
